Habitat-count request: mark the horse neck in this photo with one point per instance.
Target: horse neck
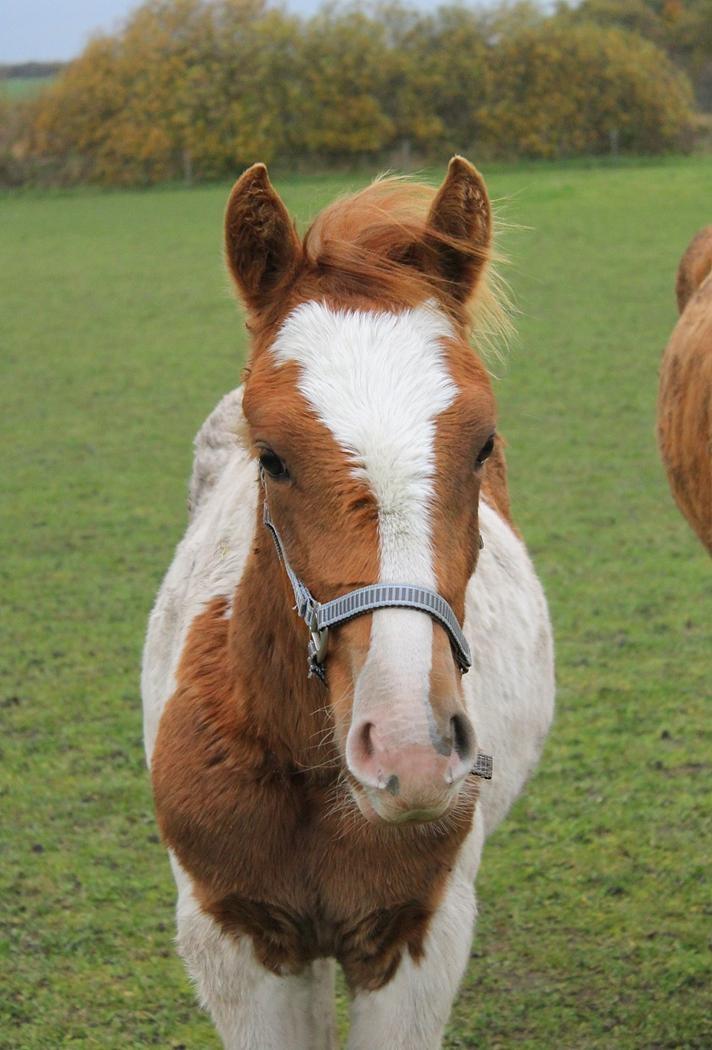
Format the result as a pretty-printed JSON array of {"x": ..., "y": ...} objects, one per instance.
[{"x": 279, "y": 705}]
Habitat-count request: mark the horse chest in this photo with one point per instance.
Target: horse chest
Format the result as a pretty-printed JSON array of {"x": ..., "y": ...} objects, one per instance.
[
  {"x": 304, "y": 884},
  {"x": 272, "y": 856}
]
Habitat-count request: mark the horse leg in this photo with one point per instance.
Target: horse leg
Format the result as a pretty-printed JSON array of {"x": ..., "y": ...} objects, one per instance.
[
  {"x": 323, "y": 1008},
  {"x": 252, "y": 1008},
  {"x": 411, "y": 1011}
]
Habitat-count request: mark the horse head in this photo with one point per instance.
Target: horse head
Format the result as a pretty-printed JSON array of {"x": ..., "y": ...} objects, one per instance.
[{"x": 372, "y": 420}]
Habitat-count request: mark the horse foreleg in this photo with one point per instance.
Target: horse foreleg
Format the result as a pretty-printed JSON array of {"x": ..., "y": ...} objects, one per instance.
[
  {"x": 252, "y": 1008},
  {"x": 411, "y": 1011}
]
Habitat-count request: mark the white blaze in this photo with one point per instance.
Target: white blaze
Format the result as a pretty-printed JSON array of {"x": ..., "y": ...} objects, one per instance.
[{"x": 378, "y": 381}]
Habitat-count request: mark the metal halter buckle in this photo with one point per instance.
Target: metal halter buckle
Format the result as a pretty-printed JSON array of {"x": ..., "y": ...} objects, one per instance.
[{"x": 483, "y": 766}]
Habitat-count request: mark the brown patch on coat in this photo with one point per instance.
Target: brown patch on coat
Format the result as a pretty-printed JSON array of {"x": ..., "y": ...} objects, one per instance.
[
  {"x": 694, "y": 266},
  {"x": 461, "y": 432},
  {"x": 495, "y": 487},
  {"x": 684, "y": 420},
  {"x": 250, "y": 796}
]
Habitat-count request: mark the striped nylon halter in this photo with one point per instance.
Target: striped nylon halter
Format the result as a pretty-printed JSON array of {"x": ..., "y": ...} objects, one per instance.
[{"x": 319, "y": 617}]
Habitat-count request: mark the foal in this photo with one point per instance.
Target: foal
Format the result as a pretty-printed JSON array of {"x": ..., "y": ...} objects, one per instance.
[{"x": 312, "y": 759}]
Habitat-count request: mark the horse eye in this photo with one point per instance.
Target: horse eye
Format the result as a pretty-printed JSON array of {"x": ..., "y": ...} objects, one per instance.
[
  {"x": 486, "y": 450},
  {"x": 272, "y": 464}
]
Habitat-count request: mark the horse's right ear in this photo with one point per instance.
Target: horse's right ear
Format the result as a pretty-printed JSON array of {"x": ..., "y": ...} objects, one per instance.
[{"x": 261, "y": 243}]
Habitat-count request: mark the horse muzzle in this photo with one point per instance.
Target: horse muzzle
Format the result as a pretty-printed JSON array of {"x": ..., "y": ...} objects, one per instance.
[{"x": 401, "y": 780}]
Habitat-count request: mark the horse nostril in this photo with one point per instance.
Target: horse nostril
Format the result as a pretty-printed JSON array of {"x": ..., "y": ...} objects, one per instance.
[
  {"x": 364, "y": 743},
  {"x": 462, "y": 736}
]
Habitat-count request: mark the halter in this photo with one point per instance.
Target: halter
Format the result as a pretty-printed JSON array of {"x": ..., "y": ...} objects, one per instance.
[{"x": 319, "y": 617}]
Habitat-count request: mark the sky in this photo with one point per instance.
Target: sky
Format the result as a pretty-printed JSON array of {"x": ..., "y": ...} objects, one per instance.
[{"x": 47, "y": 30}]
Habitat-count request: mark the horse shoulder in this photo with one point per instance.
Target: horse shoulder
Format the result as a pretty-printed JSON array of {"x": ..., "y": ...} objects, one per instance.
[
  {"x": 510, "y": 688},
  {"x": 209, "y": 560}
]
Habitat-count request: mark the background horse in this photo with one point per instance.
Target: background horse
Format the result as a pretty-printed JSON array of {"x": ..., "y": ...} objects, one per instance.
[
  {"x": 310, "y": 821},
  {"x": 685, "y": 396}
]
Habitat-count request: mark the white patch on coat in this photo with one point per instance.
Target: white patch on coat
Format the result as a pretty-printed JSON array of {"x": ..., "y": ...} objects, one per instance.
[
  {"x": 379, "y": 381},
  {"x": 411, "y": 1011},
  {"x": 209, "y": 560},
  {"x": 509, "y": 690},
  {"x": 251, "y": 1007}
]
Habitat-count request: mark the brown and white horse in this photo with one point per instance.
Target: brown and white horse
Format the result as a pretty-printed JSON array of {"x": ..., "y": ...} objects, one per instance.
[
  {"x": 685, "y": 395},
  {"x": 310, "y": 823}
]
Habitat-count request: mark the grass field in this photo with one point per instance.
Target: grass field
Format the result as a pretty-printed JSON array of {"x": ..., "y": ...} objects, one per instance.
[
  {"x": 118, "y": 335},
  {"x": 15, "y": 88}
]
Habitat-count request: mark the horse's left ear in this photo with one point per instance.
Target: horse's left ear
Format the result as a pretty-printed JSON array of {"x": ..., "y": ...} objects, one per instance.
[
  {"x": 461, "y": 220},
  {"x": 261, "y": 243}
]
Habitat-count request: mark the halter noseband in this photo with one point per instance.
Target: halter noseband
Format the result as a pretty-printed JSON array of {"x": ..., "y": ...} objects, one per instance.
[{"x": 320, "y": 617}]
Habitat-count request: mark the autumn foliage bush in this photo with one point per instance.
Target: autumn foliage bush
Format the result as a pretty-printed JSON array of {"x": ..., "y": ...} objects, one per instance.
[
  {"x": 196, "y": 89},
  {"x": 565, "y": 89}
]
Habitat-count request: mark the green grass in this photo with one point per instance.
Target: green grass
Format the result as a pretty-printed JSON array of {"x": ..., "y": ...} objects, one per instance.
[
  {"x": 17, "y": 88},
  {"x": 118, "y": 335}
]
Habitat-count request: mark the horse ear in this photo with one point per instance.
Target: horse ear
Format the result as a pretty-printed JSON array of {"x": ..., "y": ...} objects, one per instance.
[
  {"x": 460, "y": 219},
  {"x": 261, "y": 243}
]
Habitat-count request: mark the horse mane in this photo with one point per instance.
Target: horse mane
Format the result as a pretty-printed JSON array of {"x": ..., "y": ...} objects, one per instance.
[
  {"x": 372, "y": 243},
  {"x": 221, "y": 438}
]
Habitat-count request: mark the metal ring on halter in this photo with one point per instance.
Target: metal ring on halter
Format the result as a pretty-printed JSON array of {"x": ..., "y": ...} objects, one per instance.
[{"x": 319, "y": 637}]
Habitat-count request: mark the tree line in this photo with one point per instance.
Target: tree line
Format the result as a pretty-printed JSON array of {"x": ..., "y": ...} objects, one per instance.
[{"x": 196, "y": 89}]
